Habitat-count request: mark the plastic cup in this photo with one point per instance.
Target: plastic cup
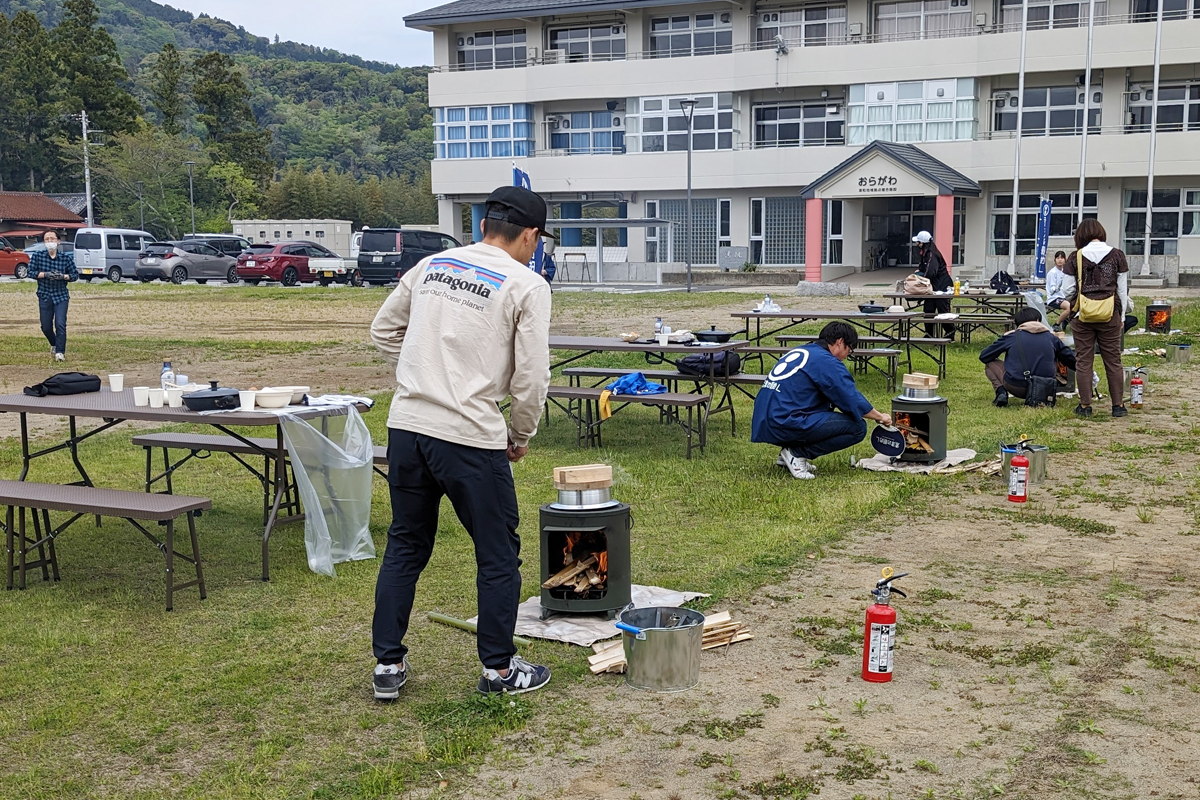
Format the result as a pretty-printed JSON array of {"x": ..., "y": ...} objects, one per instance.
[
  {"x": 181, "y": 380},
  {"x": 664, "y": 339},
  {"x": 156, "y": 397},
  {"x": 175, "y": 398},
  {"x": 141, "y": 395},
  {"x": 246, "y": 398},
  {"x": 116, "y": 382}
]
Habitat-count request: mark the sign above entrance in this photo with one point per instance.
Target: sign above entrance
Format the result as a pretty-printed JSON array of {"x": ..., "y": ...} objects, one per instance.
[{"x": 875, "y": 177}]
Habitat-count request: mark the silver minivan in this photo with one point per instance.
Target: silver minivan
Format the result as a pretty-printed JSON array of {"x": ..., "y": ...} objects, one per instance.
[{"x": 111, "y": 252}]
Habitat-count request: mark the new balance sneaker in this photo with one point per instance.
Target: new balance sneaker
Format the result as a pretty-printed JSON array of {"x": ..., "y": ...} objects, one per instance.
[
  {"x": 522, "y": 677},
  {"x": 59, "y": 357},
  {"x": 388, "y": 679},
  {"x": 782, "y": 462},
  {"x": 801, "y": 468}
]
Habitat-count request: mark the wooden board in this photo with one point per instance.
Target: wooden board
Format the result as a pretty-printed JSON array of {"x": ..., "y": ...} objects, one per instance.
[
  {"x": 920, "y": 380},
  {"x": 581, "y": 478}
]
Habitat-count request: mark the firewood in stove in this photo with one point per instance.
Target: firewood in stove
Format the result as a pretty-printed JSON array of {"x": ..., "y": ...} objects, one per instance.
[
  {"x": 593, "y": 577},
  {"x": 569, "y": 572},
  {"x": 581, "y": 584}
]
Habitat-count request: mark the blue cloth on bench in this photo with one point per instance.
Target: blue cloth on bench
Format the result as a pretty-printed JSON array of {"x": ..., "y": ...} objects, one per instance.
[{"x": 635, "y": 383}]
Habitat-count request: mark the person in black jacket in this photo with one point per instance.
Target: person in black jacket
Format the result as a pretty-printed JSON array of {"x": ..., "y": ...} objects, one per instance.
[
  {"x": 933, "y": 266},
  {"x": 1031, "y": 348}
]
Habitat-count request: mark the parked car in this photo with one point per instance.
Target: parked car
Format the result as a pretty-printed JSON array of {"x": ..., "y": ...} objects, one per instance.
[
  {"x": 109, "y": 251},
  {"x": 227, "y": 243},
  {"x": 179, "y": 261},
  {"x": 388, "y": 253},
  {"x": 293, "y": 262},
  {"x": 13, "y": 261}
]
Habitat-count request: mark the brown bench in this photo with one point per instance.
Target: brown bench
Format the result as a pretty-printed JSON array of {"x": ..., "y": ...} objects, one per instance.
[
  {"x": 935, "y": 348},
  {"x": 133, "y": 507},
  {"x": 966, "y": 324},
  {"x": 862, "y": 359},
  {"x": 582, "y": 405}
]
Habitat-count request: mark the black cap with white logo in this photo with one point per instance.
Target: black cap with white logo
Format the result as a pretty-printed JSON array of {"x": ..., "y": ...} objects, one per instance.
[{"x": 519, "y": 206}]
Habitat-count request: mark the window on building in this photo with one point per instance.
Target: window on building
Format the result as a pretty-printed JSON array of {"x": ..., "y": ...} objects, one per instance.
[
  {"x": 833, "y": 232},
  {"x": 1049, "y": 111},
  {"x": 483, "y": 131},
  {"x": 783, "y": 230},
  {"x": 1051, "y": 13},
  {"x": 1178, "y": 108},
  {"x": 811, "y": 124},
  {"x": 587, "y": 133},
  {"x": 691, "y": 35},
  {"x": 660, "y": 124},
  {"x": 590, "y": 43},
  {"x": 706, "y": 228},
  {"x": 916, "y": 111},
  {"x": 802, "y": 27},
  {"x": 491, "y": 49},
  {"x": 1064, "y": 218},
  {"x": 1147, "y": 10},
  {"x": 756, "y": 230},
  {"x": 725, "y": 213},
  {"x": 652, "y": 234},
  {"x": 923, "y": 19},
  {"x": 1176, "y": 213}
]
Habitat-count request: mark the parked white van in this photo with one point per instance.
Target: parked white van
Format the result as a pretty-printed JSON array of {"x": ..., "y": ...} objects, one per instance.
[{"x": 111, "y": 252}]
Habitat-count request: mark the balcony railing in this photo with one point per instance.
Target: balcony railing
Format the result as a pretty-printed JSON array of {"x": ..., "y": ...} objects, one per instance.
[{"x": 547, "y": 57}]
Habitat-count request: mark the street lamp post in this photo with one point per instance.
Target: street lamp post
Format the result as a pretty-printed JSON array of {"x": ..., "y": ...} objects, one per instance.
[
  {"x": 141, "y": 190},
  {"x": 191, "y": 194},
  {"x": 689, "y": 107}
]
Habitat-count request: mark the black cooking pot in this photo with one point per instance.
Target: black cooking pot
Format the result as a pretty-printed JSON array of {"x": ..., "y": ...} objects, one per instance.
[
  {"x": 211, "y": 399},
  {"x": 871, "y": 307},
  {"x": 713, "y": 335}
]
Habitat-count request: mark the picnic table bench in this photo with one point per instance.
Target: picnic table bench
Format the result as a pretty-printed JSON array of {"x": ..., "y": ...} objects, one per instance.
[
  {"x": 862, "y": 360},
  {"x": 934, "y": 347},
  {"x": 966, "y": 324},
  {"x": 82, "y": 501},
  {"x": 582, "y": 405}
]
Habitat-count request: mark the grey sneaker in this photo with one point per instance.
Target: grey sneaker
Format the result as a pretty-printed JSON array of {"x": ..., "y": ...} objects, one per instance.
[
  {"x": 800, "y": 468},
  {"x": 388, "y": 680},
  {"x": 522, "y": 677},
  {"x": 59, "y": 357}
]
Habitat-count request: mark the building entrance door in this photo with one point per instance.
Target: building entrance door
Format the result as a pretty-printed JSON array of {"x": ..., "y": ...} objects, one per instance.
[{"x": 891, "y": 223}]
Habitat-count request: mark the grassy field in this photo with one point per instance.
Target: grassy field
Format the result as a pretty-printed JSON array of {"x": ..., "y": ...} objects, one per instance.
[{"x": 262, "y": 691}]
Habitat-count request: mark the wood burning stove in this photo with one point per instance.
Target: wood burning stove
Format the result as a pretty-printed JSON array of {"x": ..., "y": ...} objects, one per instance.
[
  {"x": 922, "y": 417},
  {"x": 585, "y": 554},
  {"x": 1158, "y": 317}
]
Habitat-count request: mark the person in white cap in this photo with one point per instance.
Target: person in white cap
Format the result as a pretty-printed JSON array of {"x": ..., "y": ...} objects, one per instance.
[{"x": 933, "y": 265}]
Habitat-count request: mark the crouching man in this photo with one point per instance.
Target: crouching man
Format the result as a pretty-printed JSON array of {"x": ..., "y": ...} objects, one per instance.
[
  {"x": 1031, "y": 349},
  {"x": 809, "y": 406}
]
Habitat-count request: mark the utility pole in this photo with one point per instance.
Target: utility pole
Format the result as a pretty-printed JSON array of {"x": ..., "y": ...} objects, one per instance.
[
  {"x": 141, "y": 187},
  {"x": 191, "y": 194},
  {"x": 87, "y": 172}
]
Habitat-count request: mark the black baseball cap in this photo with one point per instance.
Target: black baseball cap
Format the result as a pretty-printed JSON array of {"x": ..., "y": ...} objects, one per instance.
[{"x": 519, "y": 206}]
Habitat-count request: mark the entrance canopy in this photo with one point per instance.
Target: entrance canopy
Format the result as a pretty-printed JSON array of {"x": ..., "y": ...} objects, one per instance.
[{"x": 886, "y": 168}]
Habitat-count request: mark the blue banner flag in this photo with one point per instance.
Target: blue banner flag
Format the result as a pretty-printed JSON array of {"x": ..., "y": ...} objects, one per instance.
[
  {"x": 1043, "y": 240},
  {"x": 521, "y": 178}
]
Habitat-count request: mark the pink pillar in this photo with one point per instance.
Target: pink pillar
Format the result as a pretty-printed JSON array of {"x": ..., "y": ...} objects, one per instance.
[
  {"x": 813, "y": 229},
  {"x": 943, "y": 227}
]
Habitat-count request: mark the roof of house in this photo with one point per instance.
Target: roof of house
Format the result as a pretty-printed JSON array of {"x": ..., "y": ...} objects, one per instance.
[
  {"x": 75, "y": 202},
  {"x": 480, "y": 10},
  {"x": 946, "y": 178},
  {"x": 33, "y": 207}
]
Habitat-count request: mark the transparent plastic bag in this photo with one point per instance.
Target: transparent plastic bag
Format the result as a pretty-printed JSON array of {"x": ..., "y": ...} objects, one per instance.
[
  {"x": 1034, "y": 300},
  {"x": 332, "y": 459}
]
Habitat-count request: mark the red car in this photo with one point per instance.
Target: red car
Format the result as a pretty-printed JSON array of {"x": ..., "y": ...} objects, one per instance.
[
  {"x": 290, "y": 263},
  {"x": 12, "y": 261}
]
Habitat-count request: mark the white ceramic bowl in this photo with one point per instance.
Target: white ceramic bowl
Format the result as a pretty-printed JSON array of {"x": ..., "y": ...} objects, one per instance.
[
  {"x": 273, "y": 398},
  {"x": 298, "y": 392}
]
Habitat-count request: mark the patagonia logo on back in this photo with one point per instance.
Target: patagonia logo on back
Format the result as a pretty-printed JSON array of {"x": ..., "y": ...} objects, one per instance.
[{"x": 461, "y": 276}]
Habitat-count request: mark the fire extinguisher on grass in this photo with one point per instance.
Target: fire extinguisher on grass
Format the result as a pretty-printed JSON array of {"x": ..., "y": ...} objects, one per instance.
[
  {"x": 879, "y": 638},
  {"x": 1136, "y": 388},
  {"x": 1018, "y": 478}
]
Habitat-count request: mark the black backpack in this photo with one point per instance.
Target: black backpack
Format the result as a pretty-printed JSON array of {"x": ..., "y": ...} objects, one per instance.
[
  {"x": 1003, "y": 283},
  {"x": 65, "y": 383},
  {"x": 718, "y": 364}
]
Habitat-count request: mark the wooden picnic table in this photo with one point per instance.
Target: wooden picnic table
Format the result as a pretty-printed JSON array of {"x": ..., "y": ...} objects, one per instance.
[
  {"x": 896, "y": 329},
  {"x": 987, "y": 302},
  {"x": 113, "y": 408}
]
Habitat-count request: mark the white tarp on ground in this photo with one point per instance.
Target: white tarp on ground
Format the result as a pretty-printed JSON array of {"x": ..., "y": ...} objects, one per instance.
[
  {"x": 332, "y": 458},
  {"x": 584, "y": 629},
  {"x": 882, "y": 463}
]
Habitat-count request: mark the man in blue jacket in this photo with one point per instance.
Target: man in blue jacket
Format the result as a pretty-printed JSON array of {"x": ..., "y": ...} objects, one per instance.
[
  {"x": 1031, "y": 348},
  {"x": 809, "y": 405}
]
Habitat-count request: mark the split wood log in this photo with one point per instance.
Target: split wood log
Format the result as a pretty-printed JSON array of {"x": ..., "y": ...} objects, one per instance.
[
  {"x": 581, "y": 583},
  {"x": 568, "y": 572},
  {"x": 593, "y": 577}
]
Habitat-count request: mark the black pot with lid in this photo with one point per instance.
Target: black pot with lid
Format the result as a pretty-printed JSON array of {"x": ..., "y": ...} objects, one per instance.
[
  {"x": 713, "y": 335},
  {"x": 211, "y": 399}
]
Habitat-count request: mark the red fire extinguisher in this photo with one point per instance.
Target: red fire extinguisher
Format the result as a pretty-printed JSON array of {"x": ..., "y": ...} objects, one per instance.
[
  {"x": 879, "y": 638},
  {"x": 1018, "y": 479},
  {"x": 1136, "y": 386}
]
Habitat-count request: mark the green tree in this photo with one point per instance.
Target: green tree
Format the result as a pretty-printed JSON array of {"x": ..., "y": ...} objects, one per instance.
[
  {"x": 224, "y": 109},
  {"x": 240, "y": 191},
  {"x": 166, "y": 89},
  {"x": 92, "y": 73},
  {"x": 156, "y": 159},
  {"x": 29, "y": 108}
]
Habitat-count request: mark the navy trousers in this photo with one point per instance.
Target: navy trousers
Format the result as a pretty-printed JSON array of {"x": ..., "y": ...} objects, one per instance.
[
  {"x": 54, "y": 322},
  {"x": 479, "y": 483},
  {"x": 829, "y": 432}
]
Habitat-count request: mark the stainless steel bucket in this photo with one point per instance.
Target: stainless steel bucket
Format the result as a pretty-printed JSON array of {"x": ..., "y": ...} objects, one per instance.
[
  {"x": 1036, "y": 453},
  {"x": 1179, "y": 353},
  {"x": 662, "y": 647}
]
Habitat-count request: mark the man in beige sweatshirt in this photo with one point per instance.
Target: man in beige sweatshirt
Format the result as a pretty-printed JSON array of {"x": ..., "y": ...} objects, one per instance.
[{"x": 466, "y": 329}]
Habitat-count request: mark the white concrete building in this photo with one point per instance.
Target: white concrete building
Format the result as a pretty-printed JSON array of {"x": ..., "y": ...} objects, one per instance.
[{"x": 584, "y": 96}]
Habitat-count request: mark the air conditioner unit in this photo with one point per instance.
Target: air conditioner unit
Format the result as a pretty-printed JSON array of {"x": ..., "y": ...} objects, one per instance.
[
  {"x": 555, "y": 57},
  {"x": 856, "y": 29}
]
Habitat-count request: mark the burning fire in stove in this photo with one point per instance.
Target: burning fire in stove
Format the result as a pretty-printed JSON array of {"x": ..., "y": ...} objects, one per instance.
[
  {"x": 1159, "y": 320},
  {"x": 915, "y": 438},
  {"x": 584, "y": 569}
]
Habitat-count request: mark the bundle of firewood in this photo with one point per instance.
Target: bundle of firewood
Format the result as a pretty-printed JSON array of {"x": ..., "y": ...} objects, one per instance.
[
  {"x": 719, "y": 631},
  {"x": 580, "y": 575}
]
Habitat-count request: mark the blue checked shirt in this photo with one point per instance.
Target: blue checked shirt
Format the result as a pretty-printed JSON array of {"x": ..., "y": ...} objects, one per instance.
[{"x": 59, "y": 270}]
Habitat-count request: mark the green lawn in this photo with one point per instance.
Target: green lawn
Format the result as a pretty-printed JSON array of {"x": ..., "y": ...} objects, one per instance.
[{"x": 261, "y": 691}]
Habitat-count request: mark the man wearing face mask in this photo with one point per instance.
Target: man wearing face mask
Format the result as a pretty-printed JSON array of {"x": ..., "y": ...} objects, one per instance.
[
  {"x": 53, "y": 271},
  {"x": 465, "y": 329}
]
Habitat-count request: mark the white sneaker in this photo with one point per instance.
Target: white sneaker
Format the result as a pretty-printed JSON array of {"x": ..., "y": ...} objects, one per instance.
[
  {"x": 782, "y": 461},
  {"x": 59, "y": 357},
  {"x": 801, "y": 468}
]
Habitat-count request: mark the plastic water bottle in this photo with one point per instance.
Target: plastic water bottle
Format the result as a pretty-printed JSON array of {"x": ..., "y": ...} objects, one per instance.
[
  {"x": 658, "y": 326},
  {"x": 168, "y": 375},
  {"x": 767, "y": 304}
]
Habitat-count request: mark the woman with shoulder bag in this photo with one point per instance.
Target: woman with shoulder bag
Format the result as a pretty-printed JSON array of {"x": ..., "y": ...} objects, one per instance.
[{"x": 1096, "y": 283}]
